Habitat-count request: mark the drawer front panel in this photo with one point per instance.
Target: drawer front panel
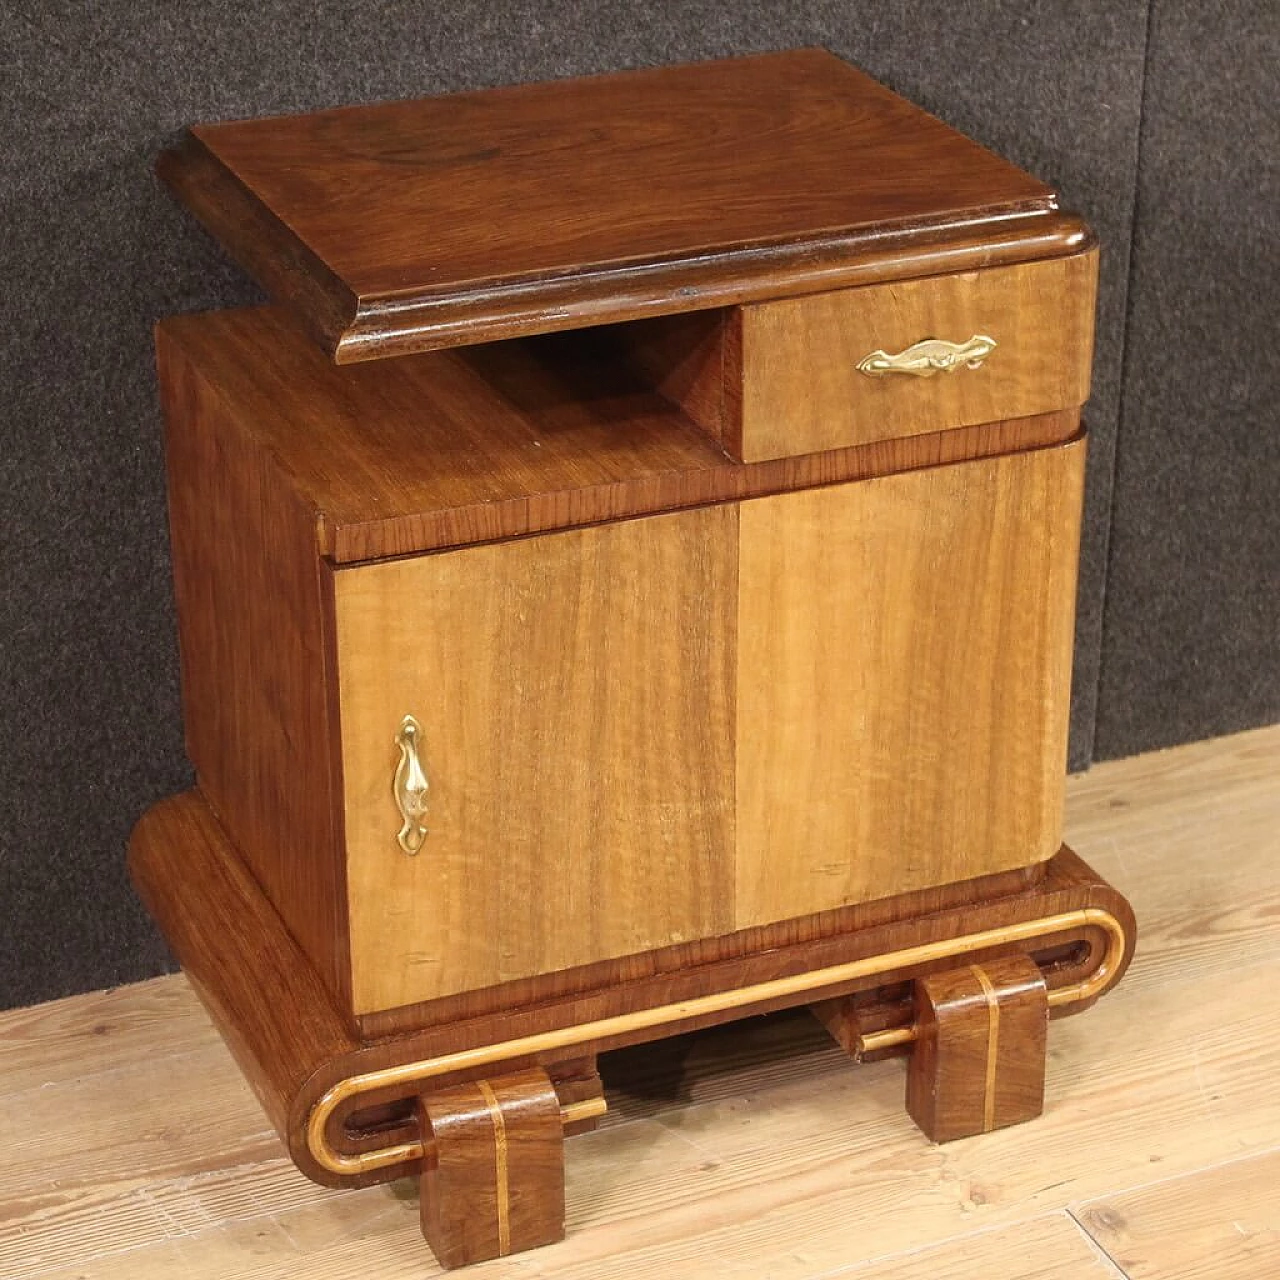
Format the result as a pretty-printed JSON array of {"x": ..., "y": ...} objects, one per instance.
[
  {"x": 803, "y": 391},
  {"x": 904, "y": 681},
  {"x": 574, "y": 696}
]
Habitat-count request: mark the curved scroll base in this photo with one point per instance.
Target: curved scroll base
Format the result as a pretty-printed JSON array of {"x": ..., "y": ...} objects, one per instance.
[{"x": 355, "y": 1110}]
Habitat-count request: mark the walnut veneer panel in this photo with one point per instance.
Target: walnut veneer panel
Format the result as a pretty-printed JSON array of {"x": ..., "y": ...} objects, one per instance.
[
  {"x": 408, "y": 225},
  {"x": 575, "y": 693},
  {"x": 904, "y": 680},
  {"x": 256, "y": 700},
  {"x": 454, "y": 447},
  {"x": 802, "y": 392}
]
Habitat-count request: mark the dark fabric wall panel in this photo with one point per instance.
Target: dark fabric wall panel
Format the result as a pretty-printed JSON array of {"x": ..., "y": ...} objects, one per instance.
[
  {"x": 1192, "y": 631},
  {"x": 93, "y": 252}
]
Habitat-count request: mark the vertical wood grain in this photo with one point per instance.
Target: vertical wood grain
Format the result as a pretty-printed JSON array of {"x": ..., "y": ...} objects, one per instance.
[
  {"x": 575, "y": 693},
  {"x": 904, "y": 680},
  {"x": 253, "y": 639}
]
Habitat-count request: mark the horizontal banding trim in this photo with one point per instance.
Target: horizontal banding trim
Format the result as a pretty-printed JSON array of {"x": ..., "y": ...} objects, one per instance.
[{"x": 620, "y": 1024}]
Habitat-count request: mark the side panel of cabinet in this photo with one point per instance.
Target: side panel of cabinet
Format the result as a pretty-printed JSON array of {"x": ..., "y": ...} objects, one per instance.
[
  {"x": 576, "y": 697},
  {"x": 255, "y": 662},
  {"x": 904, "y": 680}
]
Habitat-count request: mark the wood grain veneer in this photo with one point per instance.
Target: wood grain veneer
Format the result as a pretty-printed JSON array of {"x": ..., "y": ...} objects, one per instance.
[
  {"x": 495, "y": 1182},
  {"x": 292, "y": 1043},
  {"x": 904, "y": 659},
  {"x": 264, "y": 995},
  {"x": 576, "y": 699},
  {"x": 298, "y": 459},
  {"x": 450, "y": 448},
  {"x": 689, "y": 359},
  {"x": 497, "y": 212},
  {"x": 979, "y": 1061},
  {"x": 267, "y": 999},
  {"x": 773, "y": 708},
  {"x": 797, "y": 360},
  {"x": 256, "y": 663},
  {"x": 659, "y": 966},
  {"x": 886, "y": 751}
]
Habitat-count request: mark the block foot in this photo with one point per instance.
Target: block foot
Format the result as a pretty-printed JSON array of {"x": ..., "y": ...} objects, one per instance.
[
  {"x": 493, "y": 1182},
  {"x": 978, "y": 1061}
]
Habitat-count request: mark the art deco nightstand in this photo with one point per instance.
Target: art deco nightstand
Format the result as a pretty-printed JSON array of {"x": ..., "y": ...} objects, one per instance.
[{"x": 625, "y": 584}]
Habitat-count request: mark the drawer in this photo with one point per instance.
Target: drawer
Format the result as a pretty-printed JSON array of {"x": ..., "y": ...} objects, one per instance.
[{"x": 851, "y": 367}]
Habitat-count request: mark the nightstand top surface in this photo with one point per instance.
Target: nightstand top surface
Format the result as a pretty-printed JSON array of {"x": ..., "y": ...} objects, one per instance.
[{"x": 410, "y": 225}]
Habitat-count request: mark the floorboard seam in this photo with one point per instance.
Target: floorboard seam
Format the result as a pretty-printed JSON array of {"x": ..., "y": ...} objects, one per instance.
[
  {"x": 944, "y": 1242},
  {"x": 1213, "y": 1167},
  {"x": 1098, "y": 1247}
]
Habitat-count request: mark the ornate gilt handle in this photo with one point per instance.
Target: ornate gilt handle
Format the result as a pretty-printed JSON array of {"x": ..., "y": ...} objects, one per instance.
[
  {"x": 411, "y": 787},
  {"x": 930, "y": 356}
]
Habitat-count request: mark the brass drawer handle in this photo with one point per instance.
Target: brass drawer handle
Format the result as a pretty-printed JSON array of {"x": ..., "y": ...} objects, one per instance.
[
  {"x": 410, "y": 787},
  {"x": 930, "y": 356}
]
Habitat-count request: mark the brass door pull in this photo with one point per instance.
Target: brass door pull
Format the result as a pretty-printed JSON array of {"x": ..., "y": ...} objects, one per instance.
[
  {"x": 411, "y": 787},
  {"x": 929, "y": 356}
]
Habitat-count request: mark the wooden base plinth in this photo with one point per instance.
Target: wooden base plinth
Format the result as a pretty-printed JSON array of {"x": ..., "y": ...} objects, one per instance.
[{"x": 481, "y": 1104}]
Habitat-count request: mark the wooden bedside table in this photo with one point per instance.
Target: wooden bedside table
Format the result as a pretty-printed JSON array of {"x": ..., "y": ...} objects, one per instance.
[{"x": 625, "y": 584}]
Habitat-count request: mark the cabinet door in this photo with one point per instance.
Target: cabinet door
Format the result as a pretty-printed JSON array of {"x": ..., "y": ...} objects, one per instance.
[
  {"x": 904, "y": 680},
  {"x": 574, "y": 692}
]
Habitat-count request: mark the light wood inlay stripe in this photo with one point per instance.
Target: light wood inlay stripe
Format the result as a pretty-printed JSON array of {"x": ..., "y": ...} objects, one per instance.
[
  {"x": 502, "y": 1188},
  {"x": 993, "y": 1049},
  {"x": 1102, "y": 976}
]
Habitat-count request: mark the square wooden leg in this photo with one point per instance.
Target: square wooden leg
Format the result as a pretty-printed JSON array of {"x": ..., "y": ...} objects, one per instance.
[
  {"x": 979, "y": 1058},
  {"x": 493, "y": 1181}
]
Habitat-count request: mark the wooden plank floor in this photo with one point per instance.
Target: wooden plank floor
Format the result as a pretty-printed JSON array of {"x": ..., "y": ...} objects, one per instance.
[{"x": 132, "y": 1149}]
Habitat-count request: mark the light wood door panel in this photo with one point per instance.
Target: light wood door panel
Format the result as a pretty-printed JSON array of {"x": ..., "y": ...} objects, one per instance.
[
  {"x": 904, "y": 680},
  {"x": 575, "y": 692},
  {"x": 802, "y": 392}
]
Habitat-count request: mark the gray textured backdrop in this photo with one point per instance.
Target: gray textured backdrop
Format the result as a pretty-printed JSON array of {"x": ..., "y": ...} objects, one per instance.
[{"x": 1170, "y": 105}]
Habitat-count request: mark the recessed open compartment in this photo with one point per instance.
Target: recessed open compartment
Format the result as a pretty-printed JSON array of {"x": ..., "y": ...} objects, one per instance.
[{"x": 875, "y": 362}]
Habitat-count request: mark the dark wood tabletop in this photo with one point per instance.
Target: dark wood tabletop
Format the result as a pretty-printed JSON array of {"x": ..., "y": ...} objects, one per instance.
[{"x": 409, "y": 225}]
